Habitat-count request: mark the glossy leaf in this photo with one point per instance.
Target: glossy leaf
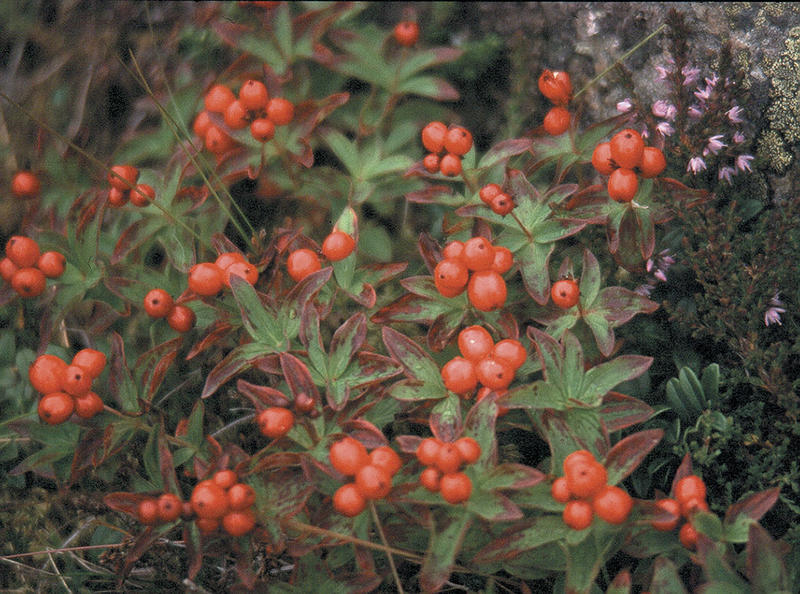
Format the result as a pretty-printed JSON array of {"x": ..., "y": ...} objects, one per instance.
[
  {"x": 443, "y": 547},
  {"x": 524, "y": 536},
  {"x": 416, "y": 362},
  {"x": 628, "y": 453}
]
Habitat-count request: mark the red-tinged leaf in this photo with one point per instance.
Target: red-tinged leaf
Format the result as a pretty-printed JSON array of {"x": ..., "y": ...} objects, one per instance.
[
  {"x": 238, "y": 360},
  {"x": 155, "y": 363},
  {"x": 685, "y": 469},
  {"x": 421, "y": 310},
  {"x": 372, "y": 369},
  {"x": 416, "y": 362},
  {"x": 686, "y": 196},
  {"x": 510, "y": 475},
  {"x": 430, "y": 251},
  {"x": 141, "y": 544},
  {"x": 600, "y": 379},
  {"x": 666, "y": 579},
  {"x": 346, "y": 341},
  {"x": 408, "y": 443},
  {"x": 445, "y": 418},
  {"x": 628, "y": 453},
  {"x": 765, "y": 561},
  {"x": 262, "y": 396},
  {"x": 589, "y": 204},
  {"x": 278, "y": 460},
  {"x": 308, "y": 288},
  {"x": 167, "y": 467},
  {"x": 618, "y": 305},
  {"x": 194, "y": 549},
  {"x": 422, "y": 286},
  {"x": 377, "y": 273},
  {"x": 366, "y": 295},
  {"x": 533, "y": 260},
  {"x": 443, "y": 548},
  {"x": 287, "y": 491},
  {"x": 493, "y": 506},
  {"x": 620, "y": 411},
  {"x": 132, "y": 238},
  {"x": 479, "y": 424},
  {"x": 429, "y": 86},
  {"x": 523, "y": 536},
  {"x": 441, "y": 332},
  {"x": 269, "y": 364},
  {"x": 549, "y": 351},
  {"x": 126, "y": 503},
  {"x": 503, "y": 151},
  {"x": 753, "y": 506},
  {"x": 432, "y": 194},
  {"x": 298, "y": 377},
  {"x": 621, "y": 584},
  {"x": 244, "y": 568},
  {"x": 120, "y": 383},
  {"x": 216, "y": 333},
  {"x": 365, "y": 432},
  {"x": 324, "y": 107}
]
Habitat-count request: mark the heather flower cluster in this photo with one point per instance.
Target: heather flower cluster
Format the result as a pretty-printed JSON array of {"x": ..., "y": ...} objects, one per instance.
[
  {"x": 773, "y": 314},
  {"x": 656, "y": 268}
]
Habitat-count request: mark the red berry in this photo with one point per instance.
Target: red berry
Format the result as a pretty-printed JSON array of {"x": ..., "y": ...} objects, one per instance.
[
  {"x": 458, "y": 140},
  {"x": 206, "y": 279},
  {"x": 560, "y": 491},
  {"x": 46, "y": 374},
  {"x": 578, "y": 514},
  {"x": 181, "y": 318},
  {"x": 487, "y": 290},
  {"x": 348, "y": 456},
  {"x": 623, "y": 185},
  {"x": 23, "y": 251},
  {"x": 431, "y": 163},
  {"x": 450, "y": 165},
  {"x": 690, "y": 487},
  {"x": 147, "y": 512},
  {"x": 455, "y": 487},
  {"x": 565, "y": 293},
  {"x": 454, "y": 250},
  {"x": 386, "y": 458},
  {"x": 373, "y": 482},
  {"x": 158, "y": 303},
  {"x": 201, "y": 124},
  {"x": 280, "y": 111},
  {"x": 241, "y": 496},
  {"x": 488, "y": 192},
  {"x": 275, "y": 422},
  {"x": 56, "y": 407},
  {"x": 427, "y": 450},
  {"x": 433, "y": 135},
  {"x": 577, "y": 458},
  {"x": 556, "y": 86},
  {"x": 511, "y": 352},
  {"x": 225, "y": 478},
  {"x": 262, "y": 129},
  {"x": 349, "y": 501},
  {"x": 51, "y": 264},
  {"x": 474, "y": 343},
  {"x": 627, "y": 147},
  {"x": 206, "y": 525},
  {"x": 612, "y": 504},
  {"x": 76, "y": 381},
  {"x": 28, "y": 282},
  {"x": 236, "y": 116},
  {"x": 688, "y": 536},
  {"x": 142, "y": 195},
  {"x": 586, "y": 478},
  {"x": 217, "y": 141},
  {"x": 92, "y": 361},
  {"x": 406, "y": 33},
  {"x": 239, "y": 523},
  {"x": 494, "y": 373},
  {"x": 218, "y": 98},
  {"x": 253, "y": 95},
  {"x": 123, "y": 177},
  {"x": 653, "y": 162},
  {"x": 503, "y": 259},
  {"x": 170, "y": 507},
  {"x": 478, "y": 253},
  {"x": 451, "y": 274},
  {"x": 243, "y": 270},
  {"x": 209, "y": 500},
  {"x": 88, "y": 405},
  {"x": 502, "y": 204},
  {"x": 430, "y": 478},
  {"x": 672, "y": 507},
  {"x": 25, "y": 184},
  {"x": 469, "y": 449},
  {"x": 227, "y": 258},
  {"x": 601, "y": 159},
  {"x": 556, "y": 122},
  {"x": 692, "y": 505},
  {"x": 448, "y": 458},
  {"x": 337, "y": 246},
  {"x": 458, "y": 376},
  {"x": 117, "y": 197},
  {"x": 301, "y": 263},
  {"x": 7, "y": 269}
]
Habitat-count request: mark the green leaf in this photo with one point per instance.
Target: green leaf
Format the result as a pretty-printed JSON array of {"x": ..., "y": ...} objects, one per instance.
[
  {"x": 602, "y": 378},
  {"x": 194, "y": 429},
  {"x": 526, "y": 535},
  {"x": 601, "y": 329},
  {"x": 442, "y": 550},
  {"x": 386, "y": 165},
  {"x": 150, "y": 458},
  {"x": 260, "y": 324},
  {"x": 533, "y": 260},
  {"x": 538, "y": 395},
  {"x": 492, "y": 506},
  {"x": 590, "y": 279},
  {"x": 665, "y": 577},
  {"x": 710, "y": 382},
  {"x": 348, "y": 338},
  {"x": 429, "y": 86},
  {"x": 417, "y": 363}
]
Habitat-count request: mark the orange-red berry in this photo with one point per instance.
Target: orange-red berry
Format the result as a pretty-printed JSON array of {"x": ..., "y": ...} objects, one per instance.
[
  {"x": 52, "y": 264},
  {"x": 301, "y": 263},
  {"x": 56, "y": 407}
]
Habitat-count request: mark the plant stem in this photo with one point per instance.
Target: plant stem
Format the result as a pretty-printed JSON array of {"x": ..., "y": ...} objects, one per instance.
[
  {"x": 378, "y": 526},
  {"x": 521, "y": 226}
]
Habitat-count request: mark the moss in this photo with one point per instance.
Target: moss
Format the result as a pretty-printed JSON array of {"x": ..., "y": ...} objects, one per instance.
[{"x": 776, "y": 145}]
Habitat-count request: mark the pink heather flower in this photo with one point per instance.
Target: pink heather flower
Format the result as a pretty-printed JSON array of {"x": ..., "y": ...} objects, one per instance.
[
  {"x": 645, "y": 132},
  {"x": 659, "y": 274},
  {"x": 665, "y": 129},
  {"x": 726, "y": 173},
  {"x": 714, "y": 144},
  {"x": 659, "y": 108},
  {"x": 644, "y": 290},
  {"x": 711, "y": 82},
  {"x": 624, "y": 105},
  {"x": 743, "y": 162},
  {"x": 696, "y": 164},
  {"x": 663, "y": 73},
  {"x": 690, "y": 75},
  {"x": 695, "y": 112},
  {"x": 703, "y": 94},
  {"x": 738, "y": 137},
  {"x": 773, "y": 314},
  {"x": 735, "y": 114}
]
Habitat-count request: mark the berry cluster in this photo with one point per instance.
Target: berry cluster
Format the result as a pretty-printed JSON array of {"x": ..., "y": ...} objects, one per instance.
[
  {"x": 66, "y": 388},
  {"x": 482, "y": 361},
  {"x": 585, "y": 491},
  {"x": 492, "y": 195},
  {"x": 443, "y": 463},
  {"x": 406, "y": 33},
  {"x": 276, "y": 421},
  {"x": 446, "y": 146},
  {"x": 486, "y": 289},
  {"x": 565, "y": 293},
  {"x": 167, "y": 507},
  {"x": 223, "y": 500},
  {"x": 557, "y": 87},
  {"x": 159, "y": 304},
  {"x": 372, "y": 472},
  {"x": 621, "y": 158},
  {"x": 122, "y": 180},
  {"x": 25, "y": 184},
  {"x": 337, "y": 246},
  {"x": 253, "y": 108},
  {"x": 208, "y": 278},
  {"x": 690, "y": 496},
  {"x": 27, "y": 269}
]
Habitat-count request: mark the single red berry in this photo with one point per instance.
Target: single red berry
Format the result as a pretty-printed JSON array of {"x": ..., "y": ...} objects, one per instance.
[
  {"x": 502, "y": 204},
  {"x": 431, "y": 163},
  {"x": 430, "y": 478},
  {"x": 142, "y": 195},
  {"x": 450, "y": 165},
  {"x": 601, "y": 159},
  {"x": 511, "y": 352},
  {"x": 170, "y": 507},
  {"x": 227, "y": 258},
  {"x": 56, "y": 407},
  {"x": 236, "y": 115},
  {"x": 478, "y": 253},
  {"x": 488, "y": 192},
  {"x": 560, "y": 491},
  {"x": 218, "y": 98},
  {"x": 304, "y": 403},
  {"x": 556, "y": 122},
  {"x": 451, "y": 274},
  {"x": 301, "y": 263},
  {"x": 201, "y": 124},
  {"x": 262, "y": 129},
  {"x": 627, "y": 147},
  {"x": 23, "y": 251},
  {"x": 565, "y": 293},
  {"x": 427, "y": 450},
  {"x": 406, "y": 33},
  {"x": 91, "y": 360},
  {"x": 7, "y": 269},
  {"x": 76, "y": 381},
  {"x": 239, "y": 523},
  {"x": 147, "y": 512},
  {"x": 181, "y": 318},
  {"x": 386, "y": 458},
  {"x": 338, "y": 245},
  {"x": 46, "y": 374},
  {"x": 253, "y": 95},
  {"x": 575, "y": 459},
  {"x": 689, "y": 487},
  {"x": 623, "y": 185},
  {"x": 88, "y": 405},
  {"x": 556, "y": 86},
  {"x": 458, "y": 376},
  {"x": 349, "y": 501},
  {"x": 503, "y": 259},
  {"x": 578, "y": 514},
  {"x": 494, "y": 373},
  {"x": 448, "y": 458},
  {"x": 653, "y": 162},
  {"x": 52, "y": 264},
  {"x": 585, "y": 479},
  {"x": 612, "y": 504},
  {"x": 671, "y": 507},
  {"x": 469, "y": 449},
  {"x": 455, "y": 487},
  {"x": 348, "y": 456},
  {"x": 28, "y": 282},
  {"x": 454, "y": 250},
  {"x": 474, "y": 343},
  {"x": 433, "y": 135},
  {"x": 206, "y": 525},
  {"x": 206, "y": 279},
  {"x": 225, "y": 478},
  {"x": 691, "y": 506},
  {"x": 123, "y": 177},
  {"x": 209, "y": 500},
  {"x": 280, "y": 111},
  {"x": 487, "y": 290},
  {"x": 217, "y": 141},
  {"x": 373, "y": 482},
  {"x": 158, "y": 303},
  {"x": 687, "y": 535},
  {"x": 117, "y": 197},
  {"x": 241, "y": 496},
  {"x": 275, "y": 422},
  {"x": 243, "y": 270},
  {"x": 25, "y": 184},
  {"x": 458, "y": 140}
]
